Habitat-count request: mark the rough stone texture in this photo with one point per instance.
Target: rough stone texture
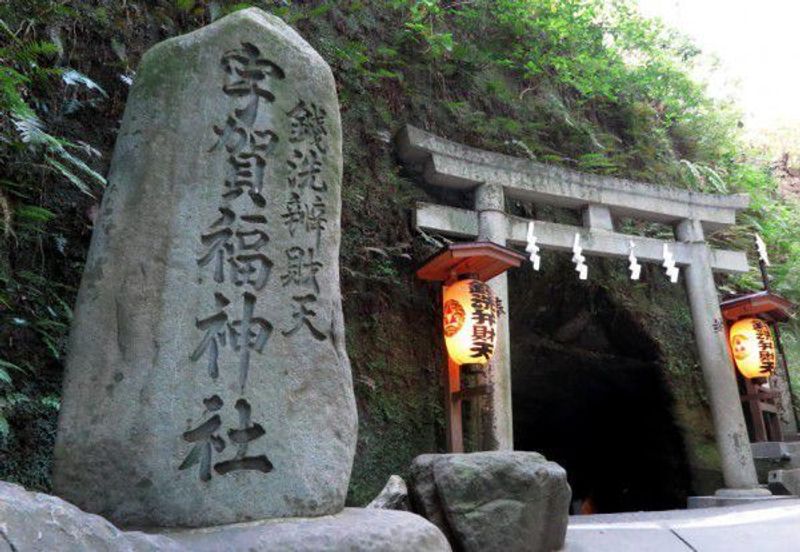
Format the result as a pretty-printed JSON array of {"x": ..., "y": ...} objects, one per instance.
[
  {"x": 784, "y": 482},
  {"x": 464, "y": 223},
  {"x": 733, "y": 443},
  {"x": 354, "y": 530},
  {"x": 500, "y": 500},
  {"x": 424, "y": 496},
  {"x": 498, "y": 432},
  {"x": 453, "y": 165},
  {"x": 394, "y": 495},
  {"x": 173, "y": 270},
  {"x": 39, "y": 522},
  {"x": 775, "y": 455}
]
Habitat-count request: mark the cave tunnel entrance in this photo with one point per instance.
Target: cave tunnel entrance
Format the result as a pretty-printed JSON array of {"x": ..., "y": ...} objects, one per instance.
[{"x": 589, "y": 392}]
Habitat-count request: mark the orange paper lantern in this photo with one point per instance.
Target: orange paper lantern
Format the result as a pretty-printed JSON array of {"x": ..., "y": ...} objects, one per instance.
[
  {"x": 753, "y": 348},
  {"x": 470, "y": 312}
]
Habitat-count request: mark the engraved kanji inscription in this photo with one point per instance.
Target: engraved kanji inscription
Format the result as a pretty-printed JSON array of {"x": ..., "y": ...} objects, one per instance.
[
  {"x": 303, "y": 315},
  {"x": 249, "y": 333},
  {"x": 301, "y": 268},
  {"x": 306, "y": 167},
  {"x": 308, "y": 124},
  {"x": 238, "y": 245},
  {"x": 216, "y": 336},
  {"x": 308, "y": 216},
  {"x": 242, "y": 437},
  {"x": 205, "y": 439}
]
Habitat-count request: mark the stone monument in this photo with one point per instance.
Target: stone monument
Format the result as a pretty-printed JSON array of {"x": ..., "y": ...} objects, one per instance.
[{"x": 208, "y": 381}]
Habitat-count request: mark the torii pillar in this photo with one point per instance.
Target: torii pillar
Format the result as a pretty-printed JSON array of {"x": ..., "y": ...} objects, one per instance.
[
  {"x": 493, "y": 227},
  {"x": 736, "y": 457}
]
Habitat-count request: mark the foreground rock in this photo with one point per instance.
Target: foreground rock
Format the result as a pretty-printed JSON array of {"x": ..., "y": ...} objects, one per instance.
[
  {"x": 208, "y": 381},
  {"x": 394, "y": 495},
  {"x": 354, "y": 530},
  {"x": 38, "y": 522},
  {"x": 485, "y": 501}
]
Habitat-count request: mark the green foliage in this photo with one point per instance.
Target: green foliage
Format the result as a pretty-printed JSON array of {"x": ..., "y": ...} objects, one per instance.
[{"x": 37, "y": 163}]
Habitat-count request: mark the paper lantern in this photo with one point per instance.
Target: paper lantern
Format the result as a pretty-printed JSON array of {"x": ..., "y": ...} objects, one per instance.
[
  {"x": 753, "y": 348},
  {"x": 470, "y": 322}
]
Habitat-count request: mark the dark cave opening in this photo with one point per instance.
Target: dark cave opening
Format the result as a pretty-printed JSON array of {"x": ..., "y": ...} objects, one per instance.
[{"x": 589, "y": 392}]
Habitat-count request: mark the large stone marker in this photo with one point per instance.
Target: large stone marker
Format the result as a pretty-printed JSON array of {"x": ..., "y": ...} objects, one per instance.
[{"x": 208, "y": 380}]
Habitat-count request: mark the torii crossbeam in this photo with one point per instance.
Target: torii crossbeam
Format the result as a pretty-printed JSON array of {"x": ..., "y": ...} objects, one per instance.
[{"x": 495, "y": 177}]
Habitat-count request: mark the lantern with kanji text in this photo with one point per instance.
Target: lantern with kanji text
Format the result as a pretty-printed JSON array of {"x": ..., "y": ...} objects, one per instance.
[
  {"x": 470, "y": 320},
  {"x": 470, "y": 312},
  {"x": 753, "y": 348}
]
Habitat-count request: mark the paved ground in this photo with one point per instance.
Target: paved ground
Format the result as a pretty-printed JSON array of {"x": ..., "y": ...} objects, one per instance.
[{"x": 767, "y": 527}]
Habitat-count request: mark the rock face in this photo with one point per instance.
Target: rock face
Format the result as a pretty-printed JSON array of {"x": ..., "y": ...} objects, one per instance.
[
  {"x": 36, "y": 521},
  {"x": 354, "y": 530},
  {"x": 208, "y": 381},
  {"x": 394, "y": 495},
  {"x": 484, "y": 501}
]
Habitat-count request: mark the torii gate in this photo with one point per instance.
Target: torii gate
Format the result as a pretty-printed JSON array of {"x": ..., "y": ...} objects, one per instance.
[{"x": 495, "y": 177}]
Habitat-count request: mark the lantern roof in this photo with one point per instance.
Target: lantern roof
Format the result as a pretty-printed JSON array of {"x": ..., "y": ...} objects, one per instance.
[
  {"x": 483, "y": 259},
  {"x": 763, "y": 304}
]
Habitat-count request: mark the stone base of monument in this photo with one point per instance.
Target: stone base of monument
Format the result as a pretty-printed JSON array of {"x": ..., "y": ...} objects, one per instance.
[
  {"x": 37, "y": 521},
  {"x": 732, "y": 497},
  {"x": 493, "y": 501},
  {"x": 354, "y": 529}
]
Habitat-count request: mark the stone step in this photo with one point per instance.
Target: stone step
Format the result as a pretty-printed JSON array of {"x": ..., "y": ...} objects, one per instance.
[
  {"x": 770, "y": 456},
  {"x": 784, "y": 482},
  {"x": 776, "y": 450}
]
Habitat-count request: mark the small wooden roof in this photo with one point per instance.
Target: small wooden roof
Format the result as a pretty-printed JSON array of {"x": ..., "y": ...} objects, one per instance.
[
  {"x": 484, "y": 259},
  {"x": 764, "y": 304}
]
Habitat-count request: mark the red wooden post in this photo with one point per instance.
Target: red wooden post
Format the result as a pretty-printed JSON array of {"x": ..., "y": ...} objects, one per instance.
[
  {"x": 483, "y": 261},
  {"x": 455, "y": 430}
]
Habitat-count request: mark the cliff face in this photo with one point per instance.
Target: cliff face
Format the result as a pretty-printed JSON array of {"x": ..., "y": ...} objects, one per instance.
[{"x": 511, "y": 76}]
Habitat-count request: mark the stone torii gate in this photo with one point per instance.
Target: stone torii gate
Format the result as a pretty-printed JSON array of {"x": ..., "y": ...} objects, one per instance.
[{"x": 495, "y": 177}]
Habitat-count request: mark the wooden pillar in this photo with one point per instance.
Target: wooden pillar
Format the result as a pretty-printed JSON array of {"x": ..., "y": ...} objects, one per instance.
[{"x": 455, "y": 430}]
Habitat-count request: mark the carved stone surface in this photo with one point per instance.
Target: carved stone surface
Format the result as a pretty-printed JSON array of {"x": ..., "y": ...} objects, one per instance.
[
  {"x": 502, "y": 500},
  {"x": 353, "y": 529},
  {"x": 36, "y": 521},
  {"x": 208, "y": 381}
]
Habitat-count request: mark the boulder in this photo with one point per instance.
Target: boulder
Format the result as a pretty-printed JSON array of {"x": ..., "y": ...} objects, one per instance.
[
  {"x": 354, "y": 530},
  {"x": 207, "y": 380},
  {"x": 424, "y": 496},
  {"x": 32, "y": 521},
  {"x": 505, "y": 500},
  {"x": 394, "y": 495}
]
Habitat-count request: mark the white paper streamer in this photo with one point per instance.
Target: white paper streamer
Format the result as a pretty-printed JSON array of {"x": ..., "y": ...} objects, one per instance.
[
  {"x": 669, "y": 263},
  {"x": 579, "y": 259},
  {"x": 532, "y": 248},
  {"x": 635, "y": 267},
  {"x": 762, "y": 250}
]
